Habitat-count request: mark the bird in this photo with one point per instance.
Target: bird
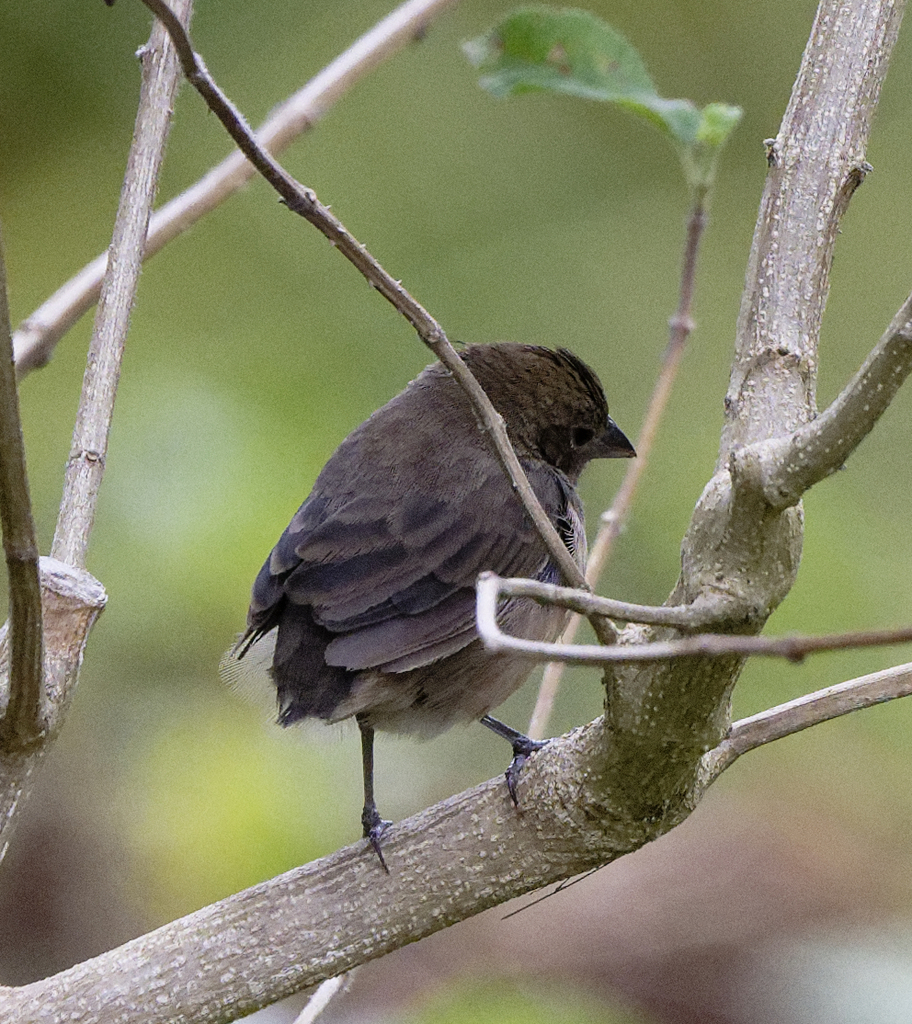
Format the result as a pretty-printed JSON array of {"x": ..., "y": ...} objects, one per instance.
[{"x": 369, "y": 595}]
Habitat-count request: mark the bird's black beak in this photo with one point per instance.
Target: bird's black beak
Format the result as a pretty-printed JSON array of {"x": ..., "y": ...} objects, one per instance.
[{"x": 612, "y": 444}]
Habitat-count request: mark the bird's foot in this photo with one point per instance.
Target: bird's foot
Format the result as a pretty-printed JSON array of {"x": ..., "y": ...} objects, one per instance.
[
  {"x": 374, "y": 827},
  {"x": 522, "y": 748}
]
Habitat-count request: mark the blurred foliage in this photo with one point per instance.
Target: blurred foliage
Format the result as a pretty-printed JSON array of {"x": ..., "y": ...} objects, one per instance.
[
  {"x": 505, "y": 1002},
  {"x": 255, "y": 349}
]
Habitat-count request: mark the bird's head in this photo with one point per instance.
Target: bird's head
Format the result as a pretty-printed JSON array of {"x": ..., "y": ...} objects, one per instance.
[{"x": 552, "y": 403}]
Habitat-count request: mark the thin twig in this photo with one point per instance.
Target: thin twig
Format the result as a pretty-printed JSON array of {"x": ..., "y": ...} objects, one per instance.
[
  {"x": 804, "y": 712},
  {"x": 20, "y": 725},
  {"x": 303, "y": 201},
  {"x": 324, "y": 994},
  {"x": 793, "y": 648},
  {"x": 612, "y": 521},
  {"x": 689, "y": 617},
  {"x": 37, "y": 336},
  {"x": 85, "y": 467}
]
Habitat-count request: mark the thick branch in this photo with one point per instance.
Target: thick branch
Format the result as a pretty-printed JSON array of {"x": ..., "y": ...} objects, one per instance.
[
  {"x": 816, "y": 162},
  {"x": 317, "y": 921},
  {"x": 664, "y": 716},
  {"x": 737, "y": 544},
  {"x": 37, "y": 336},
  {"x": 20, "y": 717},
  {"x": 336, "y": 913},
  {"x": 304, "y": 202}
]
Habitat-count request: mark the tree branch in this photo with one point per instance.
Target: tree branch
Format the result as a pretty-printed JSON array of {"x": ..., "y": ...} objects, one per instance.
[
  {"x": 817, "y": 161},
  {"x": 325, "y": 992},
  {"x": 20, "y": 713},
  {"x": 680, "y": 327},
  {"x": 37, "y": 336},
  {"x": 85, "y": 467},
  {"x": 71, "y": 602},
  {"x": 329, "y": 916},
  {"x": 804, "y": 712},
  {"x": 336, "y": 913},
  {"x": 736, "y": 545},
  {"x": 713, "y": 645},
  {"x": 609, "y": 787},
  {"x": 663, "y": 716},
  {"x": 304, "y": 202},
  {"x": 688, "y": 617},
  {"x": 783, "y": 468}
]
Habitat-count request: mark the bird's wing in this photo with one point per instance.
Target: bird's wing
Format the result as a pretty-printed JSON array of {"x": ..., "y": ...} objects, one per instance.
[{"x": 396, "y": 586}]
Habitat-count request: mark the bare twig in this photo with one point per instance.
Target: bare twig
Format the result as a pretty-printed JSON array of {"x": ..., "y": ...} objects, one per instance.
[
  {"x": 20, "y": 721},
  {"x": 612, "y": 521},
  {"x": 690, "y": 617},
  {"x": 804, "y": 712},
  {"x": 86, "y": 464},
  {"x": 794, "y": 648},
  {"x": 304, "y": 202},
  {"x": 37, "y": 336},
  {"x": 680, "y": 327},
  {"x": 324, "y": 994}
]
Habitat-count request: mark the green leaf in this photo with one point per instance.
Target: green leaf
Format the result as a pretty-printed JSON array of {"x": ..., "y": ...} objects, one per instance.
[
  {"x": 568, "y": 51},
  {"x": 717, "y": 122},
  {"x": 573, "y": 52}
]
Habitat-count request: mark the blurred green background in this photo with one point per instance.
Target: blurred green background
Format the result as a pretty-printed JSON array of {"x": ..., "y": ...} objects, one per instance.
[{"x": 255, "y": 349}]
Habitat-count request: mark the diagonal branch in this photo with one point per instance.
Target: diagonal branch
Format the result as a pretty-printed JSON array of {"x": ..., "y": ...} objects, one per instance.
[
  {"x": 304, "y": 202},
  {"x": 38, "y": 335},
  {"x": 341, "y": 911},
  {"x": 612, "y": 521},
  {"x": 804, "y": 712}
]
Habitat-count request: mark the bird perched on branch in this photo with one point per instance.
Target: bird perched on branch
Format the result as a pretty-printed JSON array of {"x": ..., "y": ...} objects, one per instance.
[{"x": 371, "y": 589}]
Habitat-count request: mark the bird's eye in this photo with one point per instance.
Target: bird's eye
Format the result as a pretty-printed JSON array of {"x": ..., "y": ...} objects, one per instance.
[{"x": 582, "y": 436}]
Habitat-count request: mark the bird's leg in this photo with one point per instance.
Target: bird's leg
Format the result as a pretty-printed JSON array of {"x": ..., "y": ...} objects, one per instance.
[
  {"x": 522, "y": 746},
  {"x": 374, "y": 826}
]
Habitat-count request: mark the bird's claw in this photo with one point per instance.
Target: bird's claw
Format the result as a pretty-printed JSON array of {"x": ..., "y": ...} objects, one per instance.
[
  {"x": 522, "y": 748},
  {"x": 374, "y": 827}
]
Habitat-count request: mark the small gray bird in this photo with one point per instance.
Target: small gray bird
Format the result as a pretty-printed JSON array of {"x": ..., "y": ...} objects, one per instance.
[{"x": 371, "y": 588}]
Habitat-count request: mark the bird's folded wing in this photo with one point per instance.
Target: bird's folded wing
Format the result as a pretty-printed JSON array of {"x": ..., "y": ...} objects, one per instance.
[{"x": 397, "y": 585}]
